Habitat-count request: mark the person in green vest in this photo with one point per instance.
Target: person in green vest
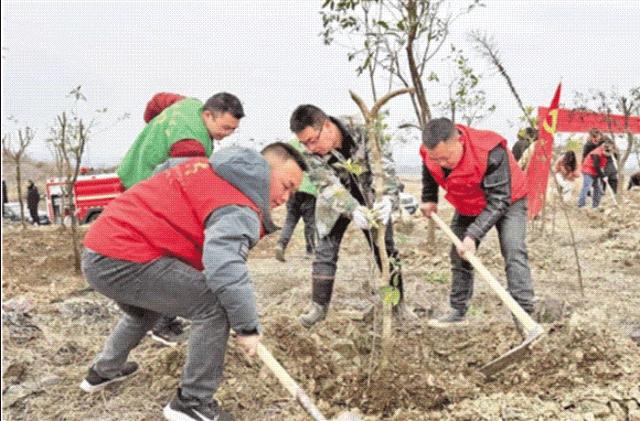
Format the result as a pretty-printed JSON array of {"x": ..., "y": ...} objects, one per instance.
[
  {"x": 177, "y": 127},
  {"x": 301, "y": 205}
]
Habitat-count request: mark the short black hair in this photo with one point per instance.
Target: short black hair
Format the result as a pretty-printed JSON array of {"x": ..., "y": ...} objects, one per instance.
[
  {"x": 224, "y": 102},
  {"x": 436, "y": 131},
  {"x": 285, "y": 151},
  {"x": 306, "y": 115},
  {"x": 609, "y": 145}
]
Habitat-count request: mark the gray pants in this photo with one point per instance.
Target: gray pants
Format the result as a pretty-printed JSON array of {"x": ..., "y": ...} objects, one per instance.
[
  {"x": 325, "y": 262},
  {"x": 144, "y": 292},
  {"x": 512, "y": 228},
  {"x": 301, "y": 205}
]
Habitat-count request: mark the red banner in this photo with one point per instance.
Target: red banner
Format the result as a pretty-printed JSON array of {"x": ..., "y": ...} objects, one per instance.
[
  {"x": 583, "y": 121},
  {"x": 540, "y": 163}
]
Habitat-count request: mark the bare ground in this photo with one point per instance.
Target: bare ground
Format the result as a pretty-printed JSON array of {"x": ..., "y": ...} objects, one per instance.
[{"x": 586, "y": 367}]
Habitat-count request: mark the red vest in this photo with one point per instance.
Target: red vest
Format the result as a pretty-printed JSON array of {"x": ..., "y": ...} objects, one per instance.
[
  {"x": 165, "y": 215},
  {"x": 587, "y": 164},
  {"x": 464, "y": 183}
]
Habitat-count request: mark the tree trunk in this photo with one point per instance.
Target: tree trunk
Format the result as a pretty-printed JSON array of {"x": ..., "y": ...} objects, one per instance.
[
  {"x": 370, "y": 117},
  {"x": 19, "y": 186}
]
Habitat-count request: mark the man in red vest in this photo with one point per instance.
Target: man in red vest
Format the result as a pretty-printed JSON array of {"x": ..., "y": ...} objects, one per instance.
[
  {"x": 177, "y": 243},
  {"x": 486, "y": 187},
  {"x": 593, "y": 172}
]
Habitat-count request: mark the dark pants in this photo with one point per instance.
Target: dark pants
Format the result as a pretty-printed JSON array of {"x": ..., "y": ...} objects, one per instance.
[
  {"x": 611, "y": 173},
  {"x": 512, "y": 228},
  {"x": 144, "y": 292},
  {"x": 325, "y": 262},
  {"x": 301, "y": 205},
  {"x": 33, "y": 211}
]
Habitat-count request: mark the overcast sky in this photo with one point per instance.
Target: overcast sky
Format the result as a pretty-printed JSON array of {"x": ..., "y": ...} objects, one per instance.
[{"x": 270, "y": 54}]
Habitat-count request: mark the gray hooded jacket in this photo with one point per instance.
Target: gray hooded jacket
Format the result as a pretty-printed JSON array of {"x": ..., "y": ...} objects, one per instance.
[{"x": 232, "y": 230}]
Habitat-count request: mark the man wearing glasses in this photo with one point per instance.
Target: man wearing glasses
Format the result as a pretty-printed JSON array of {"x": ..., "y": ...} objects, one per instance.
[{"x": 332, "y": 146}]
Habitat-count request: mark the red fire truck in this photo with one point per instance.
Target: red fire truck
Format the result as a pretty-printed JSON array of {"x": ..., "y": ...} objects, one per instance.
[{"x": 91, "y": 193}]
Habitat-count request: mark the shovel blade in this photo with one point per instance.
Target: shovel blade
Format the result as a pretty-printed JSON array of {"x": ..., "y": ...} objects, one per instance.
[{"x": 514, "y": 355}]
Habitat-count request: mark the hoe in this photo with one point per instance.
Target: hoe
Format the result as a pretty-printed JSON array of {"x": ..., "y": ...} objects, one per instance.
[
  {"x": 533, "y": 330},
  {"x": 296, "y": 391}
]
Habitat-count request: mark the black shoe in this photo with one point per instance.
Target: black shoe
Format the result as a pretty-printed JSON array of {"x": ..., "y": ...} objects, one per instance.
[
  {"x": 170, "y": 334},
  {"x": 451, "y": 319},
  {"x": 94, "y": 382},
  {"x": 184, "y": 409}
]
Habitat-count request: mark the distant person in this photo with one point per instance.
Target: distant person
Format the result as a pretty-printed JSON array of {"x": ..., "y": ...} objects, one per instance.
[
  {"x": 634, "y": 181},
  {"x": 5, "y": 197},
  {"x": 594, "y": 140},
  {"x": 300, "y": 205},
  {"x": 593, "y": 173},
  {"x": 177, "y": 127},
  {"x": 566, "y": 171},
  {"x": 611, "y": 169},
  {"x": 33, "y": 199}
]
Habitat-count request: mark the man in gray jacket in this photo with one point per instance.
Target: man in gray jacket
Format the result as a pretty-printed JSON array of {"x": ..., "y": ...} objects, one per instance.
[{"x": 177, "y": 243}]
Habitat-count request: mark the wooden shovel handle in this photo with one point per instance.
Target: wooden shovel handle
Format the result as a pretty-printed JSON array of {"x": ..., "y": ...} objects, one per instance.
[
  {"x": 523, "y": 317},
  {"x": 287, "y": 381}
]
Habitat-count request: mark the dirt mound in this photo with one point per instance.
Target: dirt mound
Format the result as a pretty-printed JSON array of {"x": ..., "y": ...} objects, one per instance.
[{"x": 431, "y": 374}]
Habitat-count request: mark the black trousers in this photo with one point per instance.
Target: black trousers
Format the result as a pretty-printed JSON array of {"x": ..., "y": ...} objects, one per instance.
[
  {"x": 300, "y": 205},
  {"x": 33, "y": 211},
  {"x": 326, "y": 259}
]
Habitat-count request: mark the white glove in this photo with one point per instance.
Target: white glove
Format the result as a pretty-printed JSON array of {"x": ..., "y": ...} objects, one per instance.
[
  {"x": 362, "y": 217},
  {"x": 383, "y": 209}
]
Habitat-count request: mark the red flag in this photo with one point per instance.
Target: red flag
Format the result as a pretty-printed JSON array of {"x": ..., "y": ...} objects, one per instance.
[{"x": 540, "y": 163}]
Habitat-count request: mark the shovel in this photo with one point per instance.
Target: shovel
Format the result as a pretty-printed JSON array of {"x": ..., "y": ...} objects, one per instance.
[
  {"x": 533, "y": 330},
  {"x": 303, "y": 399}
]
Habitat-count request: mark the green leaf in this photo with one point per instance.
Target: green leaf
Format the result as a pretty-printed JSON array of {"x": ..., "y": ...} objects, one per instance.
[
  {"x": 352, "y": 167},
  {"x": 390, "y": 295}
]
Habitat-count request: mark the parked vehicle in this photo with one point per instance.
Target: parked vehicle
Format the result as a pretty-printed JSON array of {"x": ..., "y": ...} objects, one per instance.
[
  {"x": 11, "y": 211},
  {"x": 91, "y": 193}
]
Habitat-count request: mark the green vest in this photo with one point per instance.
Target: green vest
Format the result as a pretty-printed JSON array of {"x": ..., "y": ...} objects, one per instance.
[
  {"x": 306, "y": 186},
  {"x": 180, "y": 121}
]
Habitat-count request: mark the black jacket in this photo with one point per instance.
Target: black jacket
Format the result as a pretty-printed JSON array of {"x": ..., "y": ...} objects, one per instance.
[{"x": 33, "y": 197}]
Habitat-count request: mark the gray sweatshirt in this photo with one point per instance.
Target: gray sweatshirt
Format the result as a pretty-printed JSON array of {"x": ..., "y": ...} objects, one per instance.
[{"x": 232, "y": 230}]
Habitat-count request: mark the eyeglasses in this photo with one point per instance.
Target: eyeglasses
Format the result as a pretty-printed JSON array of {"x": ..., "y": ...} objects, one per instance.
[{"x": 314, "y": 139}]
